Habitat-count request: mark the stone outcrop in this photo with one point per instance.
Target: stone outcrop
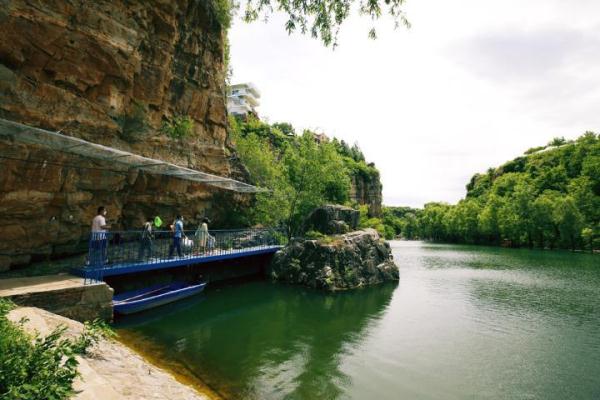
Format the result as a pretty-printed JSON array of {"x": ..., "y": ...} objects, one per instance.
[
  {"x": 332, "y": 219},
  {"x": 110, "y": 72},
  {"x": 338, "y": 262},
  {"x": 367, "y": 190}
]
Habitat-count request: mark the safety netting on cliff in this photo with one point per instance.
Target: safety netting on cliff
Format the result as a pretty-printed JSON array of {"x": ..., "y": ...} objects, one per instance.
[{"x": 20, "y": 133}]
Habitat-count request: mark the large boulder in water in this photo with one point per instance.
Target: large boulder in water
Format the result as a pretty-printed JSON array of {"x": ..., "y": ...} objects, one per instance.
[
  {"x": 337, "y": 262},
  {"x": 332, "y": 219}
]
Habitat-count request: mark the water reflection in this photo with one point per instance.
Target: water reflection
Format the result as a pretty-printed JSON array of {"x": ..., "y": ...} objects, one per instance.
[
  {"x": 268, "y": 341},
  {"x": 464, "y": 323}
]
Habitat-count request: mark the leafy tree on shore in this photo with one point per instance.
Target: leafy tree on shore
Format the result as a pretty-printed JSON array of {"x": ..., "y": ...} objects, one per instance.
[
  {"x": 569, "y": 220},
  {"x": 299, "y": 172}
]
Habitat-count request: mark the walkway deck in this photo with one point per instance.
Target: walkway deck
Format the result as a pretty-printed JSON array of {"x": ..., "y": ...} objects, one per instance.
[
  {"x": 127, "y": 252},
  {"x": 123, "y": 268}
]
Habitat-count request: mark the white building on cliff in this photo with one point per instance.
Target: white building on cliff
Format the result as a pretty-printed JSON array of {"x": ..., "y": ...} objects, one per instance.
[{"x": 242, "y": 99}]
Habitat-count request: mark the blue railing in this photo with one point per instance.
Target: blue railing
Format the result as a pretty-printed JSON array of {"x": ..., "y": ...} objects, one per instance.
[{"x": 119, "y": 249}]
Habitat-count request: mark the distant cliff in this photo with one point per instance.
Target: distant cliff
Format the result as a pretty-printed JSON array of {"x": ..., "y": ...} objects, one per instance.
[
  {"x": 366, "y": 189},
  {"x": 111, "y": 72}
]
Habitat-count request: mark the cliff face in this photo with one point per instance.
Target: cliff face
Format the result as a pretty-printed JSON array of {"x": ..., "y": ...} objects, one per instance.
[
  {"x": 109, "y": 72},
  {"x": 367, "y": 190}
]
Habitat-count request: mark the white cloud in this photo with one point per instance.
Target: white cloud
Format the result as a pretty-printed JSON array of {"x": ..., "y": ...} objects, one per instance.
[{"x": 472, "y": 84}]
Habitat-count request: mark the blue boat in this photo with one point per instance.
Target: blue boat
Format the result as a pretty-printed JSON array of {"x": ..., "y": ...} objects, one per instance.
[{"x": 154, "y": 296}]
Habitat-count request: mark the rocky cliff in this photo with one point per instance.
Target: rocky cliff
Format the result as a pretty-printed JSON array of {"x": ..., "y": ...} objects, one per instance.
[
  {"x": 366, "y": 189},
  {"x": 111, "y": 72}
]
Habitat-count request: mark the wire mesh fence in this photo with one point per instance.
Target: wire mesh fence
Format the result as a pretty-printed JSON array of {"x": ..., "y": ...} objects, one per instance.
[
  {"x": 21, "y": 133},
  {"x": 118, "y": 249}
]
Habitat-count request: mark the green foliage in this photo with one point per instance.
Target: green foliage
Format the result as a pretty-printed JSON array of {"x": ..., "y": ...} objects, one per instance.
[
  {"x": 34, "y": 367},
  {"x": 300, "y": 173},
  {"x": 285, "y": 127},
  {"x": 322, "y": 19},
  {"x": 93, "y": 332},
  {"x": 179, "y": 127},
  {"x": 223, "y": 12},
  {"x": 591, "y": 237},
  {"x": 400, "y": 222},
  {"x": 316, "y": 174},
  {"x": 546, "y": 199},
  {"x": 320, "y": 237},
  {"x": 314, "y": 235},
  {"x": 266, "y": 170},
  {"x": 535, "y": 149},
  {"x": 133, "y": 124},
  {"x": 557, "y": 141},
  {"x": 375, "y": 223}
]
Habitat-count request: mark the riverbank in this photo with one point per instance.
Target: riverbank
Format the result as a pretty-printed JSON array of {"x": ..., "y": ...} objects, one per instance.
[{"x": 112, "y": 370}]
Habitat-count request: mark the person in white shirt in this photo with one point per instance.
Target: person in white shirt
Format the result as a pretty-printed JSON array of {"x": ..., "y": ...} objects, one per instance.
[
  {"x": 99, "y": 241},
  {"x": 202, "y": 234},
  {"x": 146, "y": 239}
]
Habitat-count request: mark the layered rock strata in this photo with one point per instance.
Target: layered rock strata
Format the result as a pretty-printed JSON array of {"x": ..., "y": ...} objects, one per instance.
[
  {"x": 367, "y": 190},
  {"x": 110, "y": 72},
  {"x": 337, "y": 262}
]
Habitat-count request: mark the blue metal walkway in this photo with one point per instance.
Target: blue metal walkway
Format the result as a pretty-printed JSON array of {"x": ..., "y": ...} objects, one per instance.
[{"x": 127, "y": 252}]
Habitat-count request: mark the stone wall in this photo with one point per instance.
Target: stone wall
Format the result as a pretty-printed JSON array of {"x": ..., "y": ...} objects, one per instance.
[
  {"x": 82, "y": 303},
  {"x": 109, "y": 72}
]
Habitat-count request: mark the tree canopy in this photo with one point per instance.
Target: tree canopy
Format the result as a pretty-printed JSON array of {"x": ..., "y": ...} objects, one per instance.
[
  {"x": 548, "y": 198},
  {"x": 321, "y": 19},
  {"x": 300, "y": 172}
]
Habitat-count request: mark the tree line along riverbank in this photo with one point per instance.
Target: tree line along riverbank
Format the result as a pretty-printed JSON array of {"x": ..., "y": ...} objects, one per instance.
[{"x": 547, "y": 198}]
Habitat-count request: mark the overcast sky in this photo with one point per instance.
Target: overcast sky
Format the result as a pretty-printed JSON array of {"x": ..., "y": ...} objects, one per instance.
[{"x": 472, "y": 84}]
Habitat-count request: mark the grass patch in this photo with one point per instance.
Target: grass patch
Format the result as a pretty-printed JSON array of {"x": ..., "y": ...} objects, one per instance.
[{"x": 320, "y": 237}]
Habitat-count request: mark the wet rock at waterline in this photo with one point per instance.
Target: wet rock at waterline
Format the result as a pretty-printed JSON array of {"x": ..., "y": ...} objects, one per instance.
[{"x": 337, "y": 262}]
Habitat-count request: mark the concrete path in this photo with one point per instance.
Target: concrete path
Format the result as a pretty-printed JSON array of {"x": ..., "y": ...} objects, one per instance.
[{"x": 34, "y": 284}]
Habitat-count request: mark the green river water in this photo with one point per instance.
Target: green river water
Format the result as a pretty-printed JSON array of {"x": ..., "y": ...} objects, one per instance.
[{"x": 462, "y": 323}]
